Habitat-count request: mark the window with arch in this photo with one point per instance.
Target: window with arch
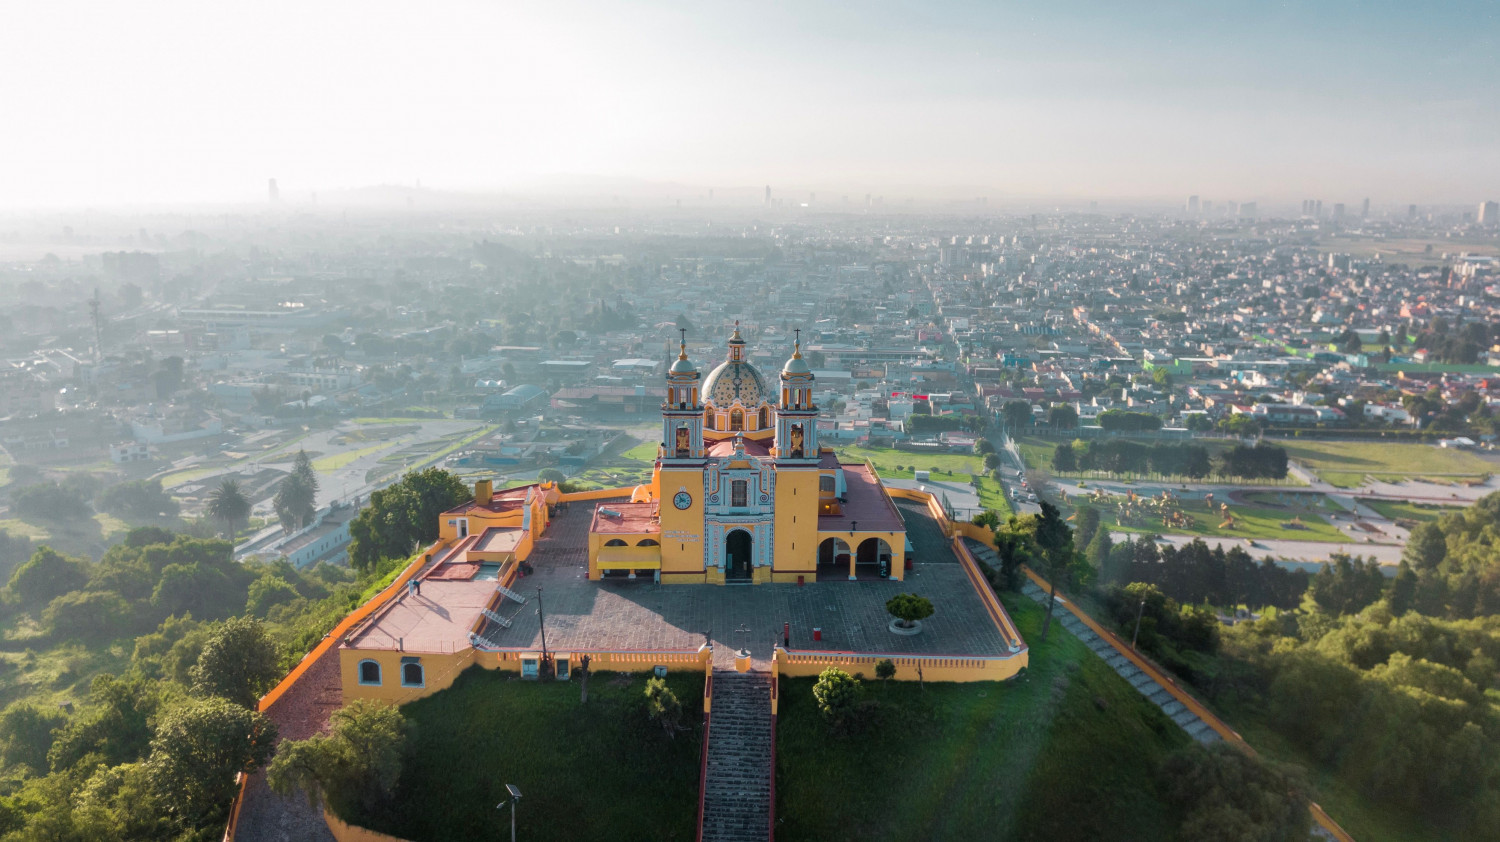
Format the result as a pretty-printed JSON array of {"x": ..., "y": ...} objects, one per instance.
[
  {"x": 647, "y": 542},
  {"x": 825, "y": 485},
  {"x": 765, "y": 417},
  {"x": 710, "y": 421},
  {"x": 412, "y": 675},
  {"x": 736, "y": 421},
  {"x": 739, "y": 493},
  {"x": 369, "y": 673},
  {"x": 615, "y": 542}
]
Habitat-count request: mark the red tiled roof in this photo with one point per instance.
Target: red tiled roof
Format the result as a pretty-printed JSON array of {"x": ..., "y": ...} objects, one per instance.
[{"x": 726, "y": 448}]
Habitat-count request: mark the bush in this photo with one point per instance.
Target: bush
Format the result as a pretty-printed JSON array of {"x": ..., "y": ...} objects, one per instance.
[
  {"x": 909, "y": 608},
  {"x": 663, "y": 706},
  {"x": 837, "y": 693},
  {"x": 885, "y": 669}
]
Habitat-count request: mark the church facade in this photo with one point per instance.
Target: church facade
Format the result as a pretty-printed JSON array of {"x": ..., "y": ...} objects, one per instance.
[{"x": 742, "y": 492}]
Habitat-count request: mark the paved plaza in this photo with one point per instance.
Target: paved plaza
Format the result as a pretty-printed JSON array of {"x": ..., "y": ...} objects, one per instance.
[{"x": 619, "y": 614}]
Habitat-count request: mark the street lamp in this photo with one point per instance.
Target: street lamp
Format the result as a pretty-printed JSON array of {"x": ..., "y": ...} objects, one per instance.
[{"x": 515, "y": 795}]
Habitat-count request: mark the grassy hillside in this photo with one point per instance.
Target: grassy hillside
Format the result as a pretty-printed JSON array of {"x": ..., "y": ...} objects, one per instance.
[{"x": 1067, "y": 751}]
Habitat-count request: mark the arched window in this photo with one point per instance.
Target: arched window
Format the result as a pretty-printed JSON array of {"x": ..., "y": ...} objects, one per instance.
[
  {"x": 615, "y": 542},
  {"x": 647, "y": 542},
  {"x": 736, "y": 421},
  {"x": 710, "y": 421},
  {"x": 765, "y": 417},
  {"x": 411, "y": 675},
  {"x": 369, "y": 673}
]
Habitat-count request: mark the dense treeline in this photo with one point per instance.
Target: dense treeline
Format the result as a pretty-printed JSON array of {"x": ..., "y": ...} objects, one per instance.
[
  {"x": 1263, "y": 461},
  {"x": 151, "y": 752},
  {"x": 1122, "y": 456},
  {"x": 1390, "y": 684},
  {"x": 1195, "y": 573},
  {"x": 1120, "y": 420}
]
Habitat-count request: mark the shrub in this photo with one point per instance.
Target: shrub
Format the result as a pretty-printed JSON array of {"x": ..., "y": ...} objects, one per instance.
[
  {"x": 909, "y": 608},
  {"x": 663, "y": 706},
  {"x": 885, "y": 669},
  {"x": 837, "y": 693}
]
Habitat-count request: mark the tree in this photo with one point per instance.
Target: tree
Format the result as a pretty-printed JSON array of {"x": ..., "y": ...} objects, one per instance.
[
  {"x": 198, "y": 749},
  {"x": 26, "y": 734},
  {"x": 837, "y": 694},
  {"x": 297, "y": 496},
  {"x": 1223, "y": 793},
  {"x": 1063, "y": 458},
  {"x": 983, "y": 446},
  {"x": 89, "y": 616},
  {"x": 1403, "y": 589},
  {"x": 46, "y": 501},
  {"x": 1017, "y": 414},
  {"x": 238, "y": 662},
  {"x": 139, "y": 500},
  {"x": 1056, "y": 544},
  {"x": 228, "y": 505},
  {"x": 991, "y": 461},
  {"x": 1426, "y": 548},
  {"x": 358, "y": 762},
  {"x": 909, "y": 609},
  {"x": 48, "y": 575},
  {"x": 885, "y": 669},
  {"x": 403, "y": 516},
  {"x": 1062, "y": 417},
  {"x": 550, "y": 475},
  {"x": 115, "y": 727},
  {"x": 663, "y": 707},
  {"x": 1099, "y": 549}
]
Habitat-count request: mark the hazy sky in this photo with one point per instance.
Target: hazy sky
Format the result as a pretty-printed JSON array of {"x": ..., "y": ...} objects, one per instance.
[{"x": 110, "y": 102}]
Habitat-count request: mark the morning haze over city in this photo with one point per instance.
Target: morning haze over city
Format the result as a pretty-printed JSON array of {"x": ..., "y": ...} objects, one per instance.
[{"x": 725, "y": 422}]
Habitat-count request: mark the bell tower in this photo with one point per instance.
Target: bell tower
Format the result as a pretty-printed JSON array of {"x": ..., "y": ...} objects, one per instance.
[
  {"x": 796, "y": 415},
  {"x": 682, "y": 411}
]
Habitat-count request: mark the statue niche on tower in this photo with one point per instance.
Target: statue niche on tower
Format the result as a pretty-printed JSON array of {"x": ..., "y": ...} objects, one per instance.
[
  {"x": 796, "y": 437},
  {"x": 682, "y": 446}
]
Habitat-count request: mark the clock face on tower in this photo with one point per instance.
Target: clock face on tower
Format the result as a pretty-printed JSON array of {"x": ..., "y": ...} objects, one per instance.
[{"x": 682, "y": 500}]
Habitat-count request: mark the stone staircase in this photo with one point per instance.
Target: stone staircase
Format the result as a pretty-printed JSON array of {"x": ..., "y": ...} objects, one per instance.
[{"x": 737, "y": 787}]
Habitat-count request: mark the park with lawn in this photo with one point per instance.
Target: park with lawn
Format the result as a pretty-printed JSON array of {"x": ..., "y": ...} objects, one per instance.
[
  {"x": 1346, "y": 464},
  {"x": 1253, "y": 522},
  {"x": 892, "y": 463}
]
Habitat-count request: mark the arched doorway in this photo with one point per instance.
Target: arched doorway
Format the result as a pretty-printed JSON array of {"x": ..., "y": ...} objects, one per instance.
[
  {"x": 833, "y": 559},
  {"x": 873, "y": 558},
  {"x": 737, "y": 556}
]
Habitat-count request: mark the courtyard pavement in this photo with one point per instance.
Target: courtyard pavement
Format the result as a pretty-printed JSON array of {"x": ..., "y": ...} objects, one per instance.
[{"x": 619, "y": 614}]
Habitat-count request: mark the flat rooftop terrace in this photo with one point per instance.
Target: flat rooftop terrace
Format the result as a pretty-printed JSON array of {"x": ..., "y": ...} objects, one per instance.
[{"x": 639, "y": 615}]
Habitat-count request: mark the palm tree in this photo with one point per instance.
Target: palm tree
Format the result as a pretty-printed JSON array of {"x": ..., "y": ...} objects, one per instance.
[{"x": 228, "y": 503}]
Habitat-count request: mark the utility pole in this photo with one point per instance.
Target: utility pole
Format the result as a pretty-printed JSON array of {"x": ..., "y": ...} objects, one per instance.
[
  {"x": 542, "y": 619},
  {"x": 1138, "y": 612},
  {"x": 95, "y": 314}
]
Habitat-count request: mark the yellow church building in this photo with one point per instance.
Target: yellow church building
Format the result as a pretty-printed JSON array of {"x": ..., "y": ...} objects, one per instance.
[{"x": 742, "y": 493}]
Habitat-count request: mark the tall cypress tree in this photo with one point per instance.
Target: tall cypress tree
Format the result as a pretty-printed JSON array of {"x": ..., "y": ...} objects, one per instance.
[{"x": 297, "y": 497}]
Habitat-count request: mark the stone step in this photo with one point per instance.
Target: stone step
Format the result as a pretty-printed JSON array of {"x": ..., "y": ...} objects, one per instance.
[{"x": 737, "y": 787}]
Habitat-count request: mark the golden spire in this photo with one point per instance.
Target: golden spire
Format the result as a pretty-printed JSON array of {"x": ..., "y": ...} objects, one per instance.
[
  {"x": 682, "y": 352},
  {"x": 797, "y": 347}
]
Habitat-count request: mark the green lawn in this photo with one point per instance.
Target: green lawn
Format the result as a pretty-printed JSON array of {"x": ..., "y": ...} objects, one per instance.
[
  {"x": 885, "y": 460},
  {"x": 1408, "y": 511},
  {"x": 645, "y": 453},
  {"x": 1067, "y": 751},
  {"x": 1250, "y": 522},
  {"x": 595, "y": 771},
  {"x": 333, "y": 462},
  {"x": 1345, "y": 464}
]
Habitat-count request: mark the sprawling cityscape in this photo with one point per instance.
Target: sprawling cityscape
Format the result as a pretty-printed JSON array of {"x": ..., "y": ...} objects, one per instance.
[{"x": 787, "y": 423}]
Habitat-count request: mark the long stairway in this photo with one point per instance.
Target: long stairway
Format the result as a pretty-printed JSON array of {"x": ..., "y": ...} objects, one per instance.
[{"x": 737, "y": 787}]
